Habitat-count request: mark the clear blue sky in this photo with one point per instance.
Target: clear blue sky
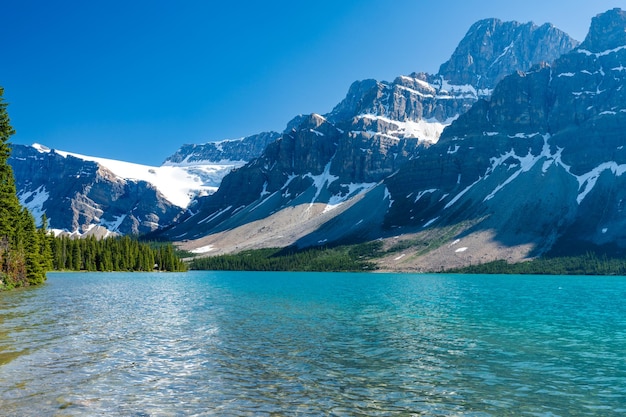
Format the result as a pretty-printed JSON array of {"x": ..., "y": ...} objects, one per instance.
[{"x": 134, "y": 80}]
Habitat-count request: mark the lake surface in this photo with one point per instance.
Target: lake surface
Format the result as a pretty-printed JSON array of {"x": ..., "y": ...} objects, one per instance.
[{"x": 249, "y": 344}]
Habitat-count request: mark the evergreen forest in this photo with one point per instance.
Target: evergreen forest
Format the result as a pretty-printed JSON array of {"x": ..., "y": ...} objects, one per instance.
[
  {"x": 362, "y": 257},
  {"x": 589, "y": 263},
  {"x": 349, "y": 258},
  {"x": 113, "y": 254}
]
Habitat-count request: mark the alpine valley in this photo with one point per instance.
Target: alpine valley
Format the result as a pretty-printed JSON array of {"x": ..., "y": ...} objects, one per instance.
[{"x": 514, "y": 149}]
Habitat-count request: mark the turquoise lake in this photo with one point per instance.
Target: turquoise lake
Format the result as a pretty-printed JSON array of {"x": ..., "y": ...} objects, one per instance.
[{"x": 314, "y": 344}]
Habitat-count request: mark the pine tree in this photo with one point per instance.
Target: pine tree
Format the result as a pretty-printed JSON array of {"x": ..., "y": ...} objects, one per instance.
[
  {"x": 9, "y": 204},
  {"x": 45, "y": 244},
  {"x": 35, "y": 272}
]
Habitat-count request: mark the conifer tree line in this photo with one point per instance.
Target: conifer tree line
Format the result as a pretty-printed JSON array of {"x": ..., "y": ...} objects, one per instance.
[
  {"x": 112, "y": 254},
  {"x": 27, "y": 253}
]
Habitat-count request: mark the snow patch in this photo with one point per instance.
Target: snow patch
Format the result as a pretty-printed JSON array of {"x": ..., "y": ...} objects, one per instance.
[
  {"x": 34, "y": 201},
  {"x": 464, "y": 90},
  {"x": 588, "y": 181},
  {"x": 203, "y": 249},
  {"x": 524, "y": 135},
  {"x": 322, "y": 180},
  {"x": 526, "y": 163},
  {"x": 603, "y": 53},
  {"x": 429, "y": 222},
  {"x": 424, "y": 192},
  {"x": 264, "y": 192},
  {"x": 40, "y": 148},
  {"x": 353, "y": 190},
  {"x": 459, "y": 195},
  {"x": 215, "y": 215},
  {"x": 427, "y": 130},
  {"x": 388, "y": 196},
  {"x": 421, "y": 83},
  {"x": 459, "y": 250},
  {"x": 504, "y": 52},
  {"x": 114, "y": 225}
]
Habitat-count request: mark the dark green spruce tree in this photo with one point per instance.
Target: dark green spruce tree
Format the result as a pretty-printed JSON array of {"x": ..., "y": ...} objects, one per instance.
[{"x": 22, "y": 256}]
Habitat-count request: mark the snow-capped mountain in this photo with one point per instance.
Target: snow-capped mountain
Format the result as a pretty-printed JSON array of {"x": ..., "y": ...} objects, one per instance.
[
  {"x": 324, "y": 166},
  {"x": 420, "y": 105},
  {"x": 84, "y": 194}
]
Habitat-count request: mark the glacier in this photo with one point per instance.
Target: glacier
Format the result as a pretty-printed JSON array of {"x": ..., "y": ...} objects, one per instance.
[{"x": 179, "y": 183}]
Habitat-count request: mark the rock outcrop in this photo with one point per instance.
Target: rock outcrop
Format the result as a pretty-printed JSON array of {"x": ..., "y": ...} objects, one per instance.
[{"x": 233, "y": 150}]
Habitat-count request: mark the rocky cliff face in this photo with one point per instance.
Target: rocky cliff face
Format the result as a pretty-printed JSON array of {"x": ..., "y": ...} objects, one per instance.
[
  {"x": 493, "y": 49},
  {"x": 321, "y": 165},
  {"x": 490, "y": 50}
]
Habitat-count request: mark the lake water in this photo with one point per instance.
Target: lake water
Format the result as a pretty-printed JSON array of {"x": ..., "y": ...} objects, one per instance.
[{"x": 310, "y": 344}]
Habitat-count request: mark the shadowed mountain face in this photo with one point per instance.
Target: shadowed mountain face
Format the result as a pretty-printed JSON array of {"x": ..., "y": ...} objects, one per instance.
[{"x": 540, "y": 163}]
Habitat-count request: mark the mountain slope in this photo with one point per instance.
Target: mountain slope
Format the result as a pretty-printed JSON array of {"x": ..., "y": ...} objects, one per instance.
[{"x": 322, "y": 167}]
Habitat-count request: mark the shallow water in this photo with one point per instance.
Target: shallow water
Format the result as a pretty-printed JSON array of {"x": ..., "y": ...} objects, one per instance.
[{"x": 248, "y": 344}]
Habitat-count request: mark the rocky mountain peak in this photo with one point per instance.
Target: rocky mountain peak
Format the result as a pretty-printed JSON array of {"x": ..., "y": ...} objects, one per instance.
[
  {"x": 492, "y": 49},
  {"x": 606, "y": 32}
]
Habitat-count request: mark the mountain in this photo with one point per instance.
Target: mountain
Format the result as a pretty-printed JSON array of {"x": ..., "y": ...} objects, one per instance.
[
  {"x": 329, "y": 167},
  {"x": 324, "y": 179},
  {"x": 85, "y": 195},
  {"x": 537, "y": 168}
]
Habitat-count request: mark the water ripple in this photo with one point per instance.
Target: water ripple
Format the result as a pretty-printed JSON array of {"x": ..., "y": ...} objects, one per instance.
[{"x": 243, "y": 344}]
